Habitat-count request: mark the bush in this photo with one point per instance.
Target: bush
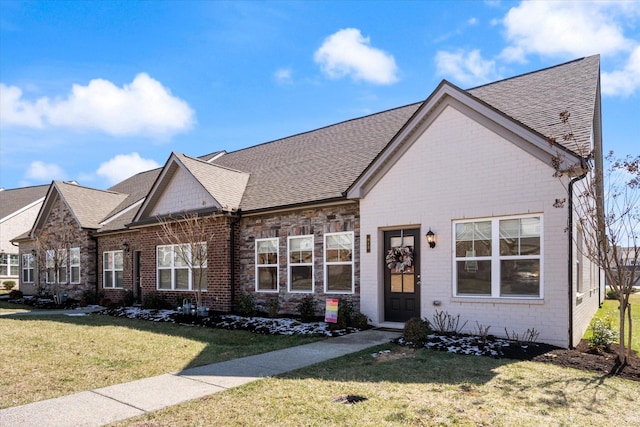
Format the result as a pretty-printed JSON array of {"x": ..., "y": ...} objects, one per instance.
[
  {"x": 359, "y": 321},
  {"x": 128, "y": 299},
  {"x": 91, "y": 297},
  {"x": 611, "y": 294},
  {"x": 9, "y": 284},
  {"x": 603, "y": 334},
  {"x": 273, "y": 307},
  {"x": 307, "y": 308},
  {"x": 15, "y": 294},
  {"x": 247, "y": 305},
  {"x": 156, "y": 301},
  {"x": 416, "y": 330}
]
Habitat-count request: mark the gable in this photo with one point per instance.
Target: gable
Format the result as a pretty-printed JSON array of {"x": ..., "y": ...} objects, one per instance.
[
  {"x": 444, "y": 97},
  {"x": 182, "y": 193}
]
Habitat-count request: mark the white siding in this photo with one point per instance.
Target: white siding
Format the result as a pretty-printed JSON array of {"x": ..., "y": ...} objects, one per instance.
[{"x": 460, "y": 169}]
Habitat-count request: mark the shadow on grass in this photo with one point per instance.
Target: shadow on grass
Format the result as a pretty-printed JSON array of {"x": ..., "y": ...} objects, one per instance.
[{"x": 220, "y": 344}]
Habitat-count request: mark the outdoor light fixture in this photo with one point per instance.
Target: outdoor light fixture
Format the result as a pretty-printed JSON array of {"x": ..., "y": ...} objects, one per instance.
[
  {"x": 431, "y": 239},
  {"x": 33, "y": 252},
  {"x": 125, "y": 246}
]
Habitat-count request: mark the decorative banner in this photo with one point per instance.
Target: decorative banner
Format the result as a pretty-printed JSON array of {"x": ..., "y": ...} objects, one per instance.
[{"x": 331, "y": 311}]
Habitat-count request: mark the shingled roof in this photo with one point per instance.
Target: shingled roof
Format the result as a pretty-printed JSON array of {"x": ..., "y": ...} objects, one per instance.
[
  {"x": 13, "y": 200},
  {"x": 321, "y": 165}
]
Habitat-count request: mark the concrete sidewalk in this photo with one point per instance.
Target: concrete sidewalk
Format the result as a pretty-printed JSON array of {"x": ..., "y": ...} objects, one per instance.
[{"x": 122, "y": 401}]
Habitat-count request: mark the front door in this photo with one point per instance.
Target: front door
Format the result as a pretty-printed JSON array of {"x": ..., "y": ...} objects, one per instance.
[
  {"x": 137, "y": 291},
  {"x": 401, "y": 261}
]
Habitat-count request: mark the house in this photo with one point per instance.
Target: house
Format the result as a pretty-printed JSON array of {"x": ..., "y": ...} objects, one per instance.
[
  {"x": 18, "y": 209},
  {"x": 449, "y": 204}
]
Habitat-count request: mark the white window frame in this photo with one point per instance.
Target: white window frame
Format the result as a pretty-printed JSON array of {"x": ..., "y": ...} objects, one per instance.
[
  {"x": 63, "y": 269},
  {"x": 350, "y": 262},
  {"x": 6, "y": 262},
  {"x": 114, "y": 270},
  {"x": 496, "y": 258},
  {"x": 50, "y": 266},
  {"x": 74, "y": 266},
  {"x": 267, "y": 265},
  {"x": 28, "y": 261},
  {"x": 172, "y": 268},
  {"x": 301, "y": 264}
]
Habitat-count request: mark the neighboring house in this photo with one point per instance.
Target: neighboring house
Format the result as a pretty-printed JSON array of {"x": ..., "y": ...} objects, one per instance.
[
  {"x": 461, "y": 185},
  {"x": 18, "y": 210}
]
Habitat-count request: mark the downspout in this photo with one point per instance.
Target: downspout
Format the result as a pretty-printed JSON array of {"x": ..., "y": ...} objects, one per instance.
[
  {"x": 570, "y": 269},
  {"x": 232, "y": 257}
]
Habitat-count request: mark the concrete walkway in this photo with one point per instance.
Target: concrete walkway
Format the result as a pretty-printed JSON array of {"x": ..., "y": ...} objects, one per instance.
[{"x": 119, "y": 402}]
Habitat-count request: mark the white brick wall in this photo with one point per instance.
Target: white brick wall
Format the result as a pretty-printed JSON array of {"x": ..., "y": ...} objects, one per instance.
[
  {"x": 460, "y": 169},
  {"x": 183, "y": 193}
]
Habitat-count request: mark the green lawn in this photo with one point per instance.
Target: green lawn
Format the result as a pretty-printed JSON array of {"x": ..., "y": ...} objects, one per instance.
[
  {"x": 415, "y": 388},
  {"x": 610, "y": 309},
  {"x": 46, "y": 357}
]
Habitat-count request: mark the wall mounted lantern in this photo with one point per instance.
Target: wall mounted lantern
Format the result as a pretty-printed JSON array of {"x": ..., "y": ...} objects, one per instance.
[
  {"x": 431, "y": 239},
  {"x": 33, "y": 252},
  {"x": 125, "y": 246}
]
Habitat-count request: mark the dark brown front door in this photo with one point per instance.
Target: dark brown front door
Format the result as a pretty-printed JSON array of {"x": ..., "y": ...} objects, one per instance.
[
  {"x": 137, "y": 292},
  {"x": 401, "y": 281}
]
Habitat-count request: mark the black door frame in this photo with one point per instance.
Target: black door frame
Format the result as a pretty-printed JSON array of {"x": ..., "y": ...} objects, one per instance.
[{"x": 401, "y": 306}]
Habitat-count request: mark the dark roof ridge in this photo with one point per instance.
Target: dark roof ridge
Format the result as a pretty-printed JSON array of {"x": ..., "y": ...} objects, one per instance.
[
  {"x": 323, "y": 127},
  {"x": 530, "y": 72}
]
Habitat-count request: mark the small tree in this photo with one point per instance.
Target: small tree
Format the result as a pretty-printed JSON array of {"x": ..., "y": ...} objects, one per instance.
[
  {"x": 52, "y": 254},
  {"x": 188, "y": 234},
  {"x": 606, "y": 205}
]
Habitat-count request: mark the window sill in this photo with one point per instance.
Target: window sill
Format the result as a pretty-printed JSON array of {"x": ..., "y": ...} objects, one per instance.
[
  {"x": 329, "y": 292},
  {"x": 268, "y": 291},
  {"x": 490, "y": 300}
]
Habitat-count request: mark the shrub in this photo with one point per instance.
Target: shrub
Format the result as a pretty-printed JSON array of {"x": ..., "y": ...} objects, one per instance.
[
  {"x": 247, "y": 305},
  {"x": 445, "y": 323},
  {"x": 307, "y": 308},
  {"x": 611, "y": 294},
  {"x": 156, "y": 301},
  {"x": 9, "y": 284},
  {"x": 91, "y": 297},
  {"x": 15, "y": 294},
  {"x": 273, "y": 307},
  {"x": 603, "y": 334},
  {"x": 416, "y": 330},
  {"x": 128, "y": 299},
  {"x": 359, "y": 321}
]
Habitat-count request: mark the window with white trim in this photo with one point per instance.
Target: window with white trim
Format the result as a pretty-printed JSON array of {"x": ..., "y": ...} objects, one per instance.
[
  {"x": 179, "y": 270},
  {"x": 267, "y": 265},
  {"x": 338, "y": 262},
  {"x": 9, "y": 264},
  {"x": 62, "y": 265},
  {"x": 28, "y": 268},
  {"x": 498, "y": 257},
  {"x": 50, "y": 265},
  {"x": 113, "y": 264},
  {"x": 300, "y": 271},
  {"x": 74, "y": 264}
]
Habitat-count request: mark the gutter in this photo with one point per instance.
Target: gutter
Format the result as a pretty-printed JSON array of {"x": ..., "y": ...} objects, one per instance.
[{"x": 570, "y": 269}]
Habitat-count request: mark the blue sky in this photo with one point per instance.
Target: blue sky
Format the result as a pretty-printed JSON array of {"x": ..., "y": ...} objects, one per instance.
[{"x": 95, "y": 91}]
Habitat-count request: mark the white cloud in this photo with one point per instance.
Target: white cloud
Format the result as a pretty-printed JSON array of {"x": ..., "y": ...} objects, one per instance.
[
  {"x": 626, "y": 81},
  {"x": 560, "y": 29},
  {"x": 123, "y": 166},
  {"x": 14, "y": 111},
  {"x": 284, "y": 76},
  {"x": 144, "y": 108},
  {"x": 465, "y": 68},
  {"x": 348, "y": 53},
  {"x": 45, "y": 172}
]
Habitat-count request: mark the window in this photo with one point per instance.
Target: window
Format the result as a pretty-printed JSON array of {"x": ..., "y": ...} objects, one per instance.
[
  {"x": 300, "y": 251},
  {"x": 9, "y": 265},
  {"x": 28, "y": 268},
  {"x": 338, "y": 262},
  {"x": 499, "y": 257},
  {"x": 50, "y": 265},
  {"x": 62, "y": 266},
  {"x": 174, "y": 262},
  {"x": 74, "y": 264},
  {"x": 113, "y": 263},
  {"x": 267, "y": 265}
]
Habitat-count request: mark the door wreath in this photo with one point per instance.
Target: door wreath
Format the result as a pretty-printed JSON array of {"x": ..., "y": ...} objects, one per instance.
[{"x": 399, "y": 258}]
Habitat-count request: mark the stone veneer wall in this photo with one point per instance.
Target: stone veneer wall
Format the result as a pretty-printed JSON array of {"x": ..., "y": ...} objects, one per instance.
[
  {"x": 218, "y": 295},
  {"x": 316, "y": 221},
  {"x": 59, "y": 222}
]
